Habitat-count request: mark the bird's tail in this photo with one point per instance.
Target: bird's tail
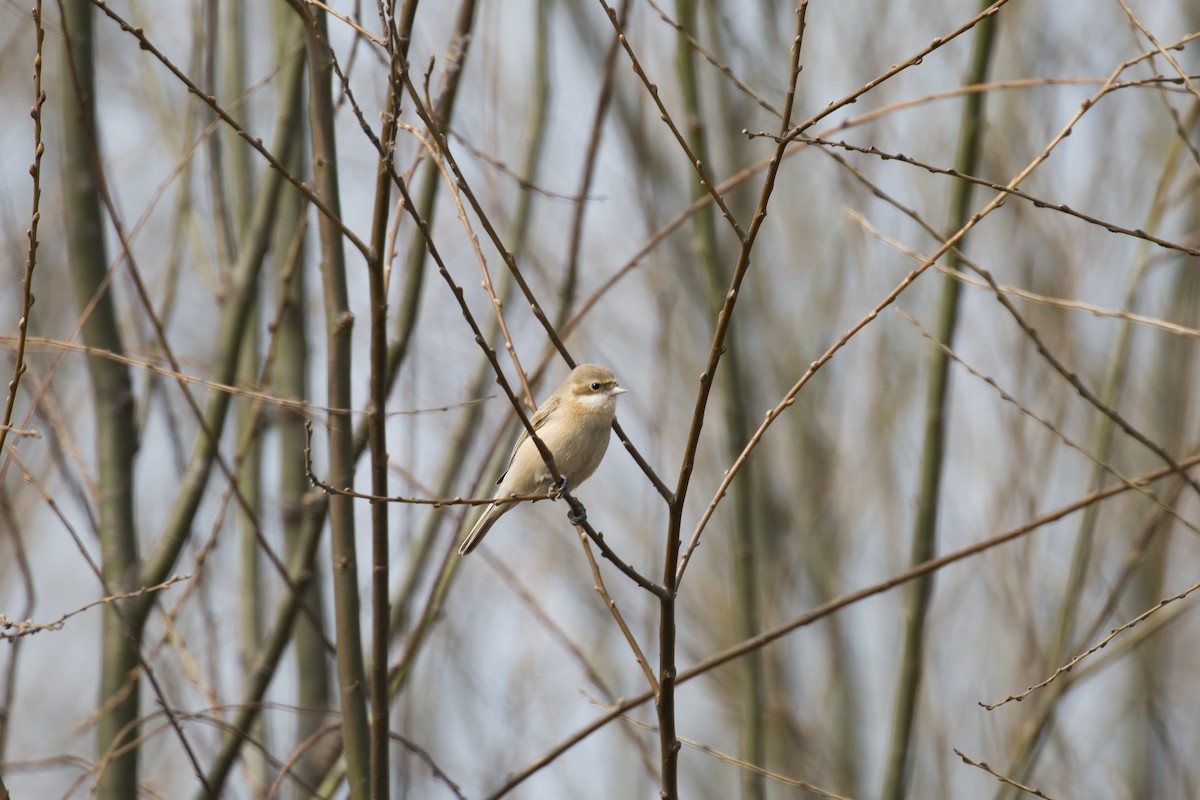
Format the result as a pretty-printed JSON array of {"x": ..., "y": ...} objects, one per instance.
[{"x": 491, "y": 513}]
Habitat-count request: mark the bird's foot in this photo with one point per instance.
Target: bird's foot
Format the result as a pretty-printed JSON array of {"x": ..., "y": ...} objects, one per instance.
[
  {"x": 577, "y": 519},
  {"x": 560, "y": 488}
]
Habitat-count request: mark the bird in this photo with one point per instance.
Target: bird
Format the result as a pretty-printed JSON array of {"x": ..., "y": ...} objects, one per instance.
[{"x": 574, "y": 424}]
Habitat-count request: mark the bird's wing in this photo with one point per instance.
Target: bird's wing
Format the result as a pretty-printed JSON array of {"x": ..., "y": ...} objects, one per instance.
[{"x": 540, "y": 417}]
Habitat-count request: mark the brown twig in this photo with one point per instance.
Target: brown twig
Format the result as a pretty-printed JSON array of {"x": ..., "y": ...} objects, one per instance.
[
  {"x": 35, "y": 215},
  {"x": 665, "y": 115},
  {"x": 892, "y": 72},
  {"x": 1114, "y": 633},
  {"x": 570, "y": 281},
  {"x": 721, "y": 67},
  {"x": 665, "y": 700},
  {"x": 1163, "y": 51},
  {"x": 12, "y": 629},
  {"x": 740, "y": 763},
  {"x": 984, "y": 766},
  {"x": 611, "y": 605},
  {"x": 1024, "y": 294},
  {"x": 1036, "y": 201},
  {"x": 1045, "y": 423}
]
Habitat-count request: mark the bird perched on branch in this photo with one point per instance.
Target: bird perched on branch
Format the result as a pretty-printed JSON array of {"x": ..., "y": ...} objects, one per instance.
[{"x": 574, "y": 424}]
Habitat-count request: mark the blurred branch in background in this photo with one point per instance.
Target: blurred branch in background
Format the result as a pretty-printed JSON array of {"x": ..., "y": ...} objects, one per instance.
[{"x": 898, "y": 768}]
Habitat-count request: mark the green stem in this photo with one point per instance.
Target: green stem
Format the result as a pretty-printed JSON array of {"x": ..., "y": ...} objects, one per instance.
[
  {"x": 112, "y": 395},
  {"x": 264, "y": 666},
  {"x": 313, "y": 691},
  {"x": 924, "y": 544},
  {"x": 339, "y": 322},
  {"x": 736, "y": 393}
]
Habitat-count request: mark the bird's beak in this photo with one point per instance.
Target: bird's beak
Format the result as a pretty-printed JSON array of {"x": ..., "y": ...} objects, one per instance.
[{"x": 616, "y": 391}]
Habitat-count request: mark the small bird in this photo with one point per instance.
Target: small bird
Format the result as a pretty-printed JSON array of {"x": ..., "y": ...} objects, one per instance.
[{"x": 574, "y": 425}]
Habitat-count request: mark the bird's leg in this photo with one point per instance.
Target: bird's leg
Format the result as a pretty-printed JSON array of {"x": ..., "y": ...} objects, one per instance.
[{"x": 560, "y": 488}]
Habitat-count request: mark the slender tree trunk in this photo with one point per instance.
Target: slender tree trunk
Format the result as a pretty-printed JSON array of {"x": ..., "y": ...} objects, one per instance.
[
  {"x": 112, "y": 396},
  {"x": 339, "y": 323}
]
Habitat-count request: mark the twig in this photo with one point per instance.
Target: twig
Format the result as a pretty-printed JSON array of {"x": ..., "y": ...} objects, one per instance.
[
  {"x": 523, "y": 183},
  {"x": 570, "y": 281},
  {"x": 737, "y": 762},
  {"x": 652, "y": 90},
  {"x": 424, "y": 755},
  {"x": 724, "y": 69},
  {"x": 616, "y": 612},
  {"x": 304, "y": 407},
  {"x": 488, "y": 287},
  {"x": 286, "y": 769},
  {"x": 1024, "y": 294},
  {"x": 359, "y": 28},
  {"x": 133, "y": 641},
  {"x": 984, "y": 766},
  {"x": 1114, "y": 633},
  {"x": 667, "y": 668},
  {"x": 12, "y": 629},
  {"x": 1037, "y": 202},
  {"x": 436, "y": 502},
  {"x": 596, "y": 536},
  {"x": 1191, "y": 87},
  {"x": 1068, "y": 441},
  {"x": 35, "y": 215},
  {"x": 22, "y": 432}
]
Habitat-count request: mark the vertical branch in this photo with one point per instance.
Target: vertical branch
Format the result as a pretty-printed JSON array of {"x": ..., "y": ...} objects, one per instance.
[
  {"x": 415, "y": 264},
  {"x": 331, "y": 772},
  {"x": 1175, "y": 366},
  {"x": 571, "y": 280},
  {"x": 232, "y": 186},
  {"x": 8, "y": 680},
  {"x": 218, "y": 51},
  {"x": 265, "y": 664},
  {"x": 298, "y": 517},
  {"x": 112, "y": 396},
  {"x": 376, "y": 432},
  {"x": 339, "y": 322},
  {"x": 35, "y": 172},
  {"x": 416, "y": 258},
  {"x": 467, "y": 426},
  {"x": 924, "y": 544}
]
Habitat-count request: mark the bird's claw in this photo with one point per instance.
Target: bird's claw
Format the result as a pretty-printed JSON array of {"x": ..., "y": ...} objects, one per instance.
[
  {"x": 577, "y": 519},
  {"x": 560, "y": 488}
]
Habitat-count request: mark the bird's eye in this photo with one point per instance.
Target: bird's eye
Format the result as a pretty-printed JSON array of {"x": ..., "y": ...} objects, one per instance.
[{"x": 595, "y": 387}]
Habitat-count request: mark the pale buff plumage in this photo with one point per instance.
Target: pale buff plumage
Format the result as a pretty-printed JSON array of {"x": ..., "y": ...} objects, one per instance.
[{"x": 574, "y": 424}]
